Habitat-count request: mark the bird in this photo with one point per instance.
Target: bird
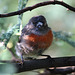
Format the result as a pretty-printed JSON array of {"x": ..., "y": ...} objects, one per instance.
[{"x": 35, "y": 38}]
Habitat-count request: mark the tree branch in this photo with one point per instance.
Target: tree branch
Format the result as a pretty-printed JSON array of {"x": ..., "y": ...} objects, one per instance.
[
  {"x": 21, "y": 5},
  {"x": 64, "y": 37},
  {"x": 29, "y": 65},
  {"x": 36, "y": 6},
  {"x": 6, "y": 36},
  {"x": 63, "y": 71}
]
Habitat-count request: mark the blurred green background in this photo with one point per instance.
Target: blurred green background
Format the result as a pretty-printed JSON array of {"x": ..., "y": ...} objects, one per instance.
[{"x": 58, "y": 18}]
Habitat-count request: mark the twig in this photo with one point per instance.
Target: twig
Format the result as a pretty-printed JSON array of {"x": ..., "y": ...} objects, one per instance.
[
  {"x": 65, "y": 37},
  {"x": 29, "y": 65},
  {"x": 61, "y": 71},
  {"x": 21, "y": 5},
  {"x": 36, "y": 6},
  {"x": 6, "y": 36},
  {"x": 13, "y": 55}
]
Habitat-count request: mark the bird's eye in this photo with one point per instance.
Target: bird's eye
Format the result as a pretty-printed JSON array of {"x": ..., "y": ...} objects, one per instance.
[{"x": 39, "y": 24}]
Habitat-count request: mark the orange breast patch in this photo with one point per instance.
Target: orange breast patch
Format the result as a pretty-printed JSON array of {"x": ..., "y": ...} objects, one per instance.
[{"x": 43, "y": 41}]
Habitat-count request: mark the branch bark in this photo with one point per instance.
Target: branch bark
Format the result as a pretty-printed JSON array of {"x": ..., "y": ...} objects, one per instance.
[
  {"x": 62, "y": 71},
  {"x": 29, "y": 65},
  {"x": 36, "y": 6}
]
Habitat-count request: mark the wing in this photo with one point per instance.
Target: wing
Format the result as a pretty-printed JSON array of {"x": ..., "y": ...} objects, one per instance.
[{"x": 25, "y": 31}]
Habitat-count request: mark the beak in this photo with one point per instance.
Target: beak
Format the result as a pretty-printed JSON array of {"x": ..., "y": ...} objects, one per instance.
[{"x": 39, "y": 25}]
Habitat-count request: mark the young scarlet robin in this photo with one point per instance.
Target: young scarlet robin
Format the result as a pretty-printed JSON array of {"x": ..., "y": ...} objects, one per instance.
[{"x": 35, "y": 38}]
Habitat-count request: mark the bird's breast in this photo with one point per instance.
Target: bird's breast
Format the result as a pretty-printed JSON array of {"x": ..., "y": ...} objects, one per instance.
[{"x": 40, "y": 41}]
